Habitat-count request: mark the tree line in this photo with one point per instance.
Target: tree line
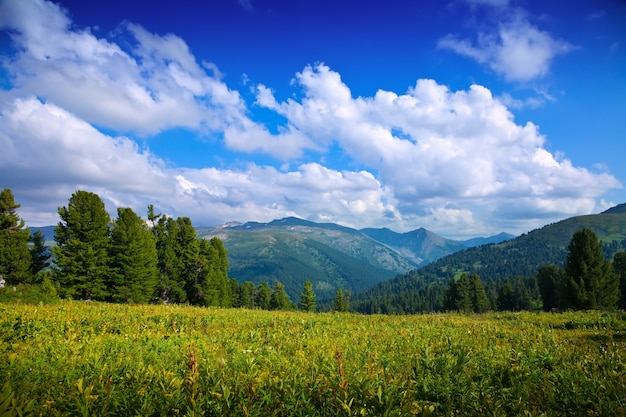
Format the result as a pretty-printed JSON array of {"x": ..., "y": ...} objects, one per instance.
[
  {"x": 587, "y": 281},
  {"x": 128, "y": 259}
]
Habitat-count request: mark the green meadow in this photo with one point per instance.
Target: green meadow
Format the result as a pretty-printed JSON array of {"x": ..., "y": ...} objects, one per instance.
[{"x": 96, "y": 359}]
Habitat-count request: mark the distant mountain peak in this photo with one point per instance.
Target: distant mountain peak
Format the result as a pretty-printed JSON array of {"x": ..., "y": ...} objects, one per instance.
[{"x": 620, "y": 208}]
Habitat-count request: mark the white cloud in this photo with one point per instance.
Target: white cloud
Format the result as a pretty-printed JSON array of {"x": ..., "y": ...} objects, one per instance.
[
  {"x": 431, "y": 146},
  {"x": 518, "y": 50},
  {"x": 455, "y": 162},
  {"x": 155, "y": 86}
]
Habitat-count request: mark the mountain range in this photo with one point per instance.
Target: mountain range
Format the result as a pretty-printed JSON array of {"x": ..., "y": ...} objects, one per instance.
[
  {"x": 519, "y": 257},
  {"x": 293, "y": 250}
]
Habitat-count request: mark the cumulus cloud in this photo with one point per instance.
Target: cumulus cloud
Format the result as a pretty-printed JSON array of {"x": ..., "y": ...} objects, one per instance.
[
  {"x": 519, "y": 50},
  {"x": 452, "y": 161},
  {"x": 432, "y": 146},
  {"x": 155, "y": 85},
  {"x": 46, "y": 165}
]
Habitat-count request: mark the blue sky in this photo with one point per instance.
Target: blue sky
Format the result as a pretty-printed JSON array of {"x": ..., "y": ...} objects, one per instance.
[{"x": 466, "y": 117}]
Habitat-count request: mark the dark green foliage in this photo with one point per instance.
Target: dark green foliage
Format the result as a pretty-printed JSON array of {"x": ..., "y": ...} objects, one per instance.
[
  {"x": 214, "y": 287},
  {"x": 264, "y": 296},
  {"x": 170, "y": 286},
  {"x": 549, "y": 280},
  {"x": 480, "y": 301},
  {"x": 458, "y": 297},
  {"x": 619, "y": 269},
  {"x": 279, "y": 299},
  {"x": 39, "y": 253},
  {"x": 589, "y": 282},
  {"x": 466, "y": 295},
  {"x": 133, "y": 259},
  {"x": 15, "y": 259},
  {"x": 82, "y": 250},
  {"x": 506, "y": 297},
  {"x": 307, "y": 298},
  {"x": 246, "y": 295},
  {"x": 341, "y": 302}
]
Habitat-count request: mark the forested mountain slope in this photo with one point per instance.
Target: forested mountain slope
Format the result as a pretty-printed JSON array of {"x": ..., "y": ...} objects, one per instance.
[
  {"x": 331, "y": 256},
  {"x": 518, "y": 257}
]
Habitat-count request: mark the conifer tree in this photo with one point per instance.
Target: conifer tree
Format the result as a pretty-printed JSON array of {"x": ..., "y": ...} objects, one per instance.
[
  {"x": 39, "y": 253},
  {"x": 342, "y": 300},
  {"x": 549, "y": 281},
  {"x": 247, "y": 296},
  {"x": 589, "y": 282},
  {"x": 133, "y": 259},
  {"x": 458, "y": 296},
  {"x": 480, "y": 301},
  {"x": 82, "y": 250},
  {"x": 619, "y": 269},
  {"x": 264, "y": 296},
  {"x": 170, "y": 286},
  {"x": 15, "y": 258},
  {"x": 279, "y": 299},
  {"x": 506, "y": 297},
  {"x": 307, "y": 298}
]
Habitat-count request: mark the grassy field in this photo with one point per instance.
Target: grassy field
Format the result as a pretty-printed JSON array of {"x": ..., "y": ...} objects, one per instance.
[{"x": 95, "y": 359}]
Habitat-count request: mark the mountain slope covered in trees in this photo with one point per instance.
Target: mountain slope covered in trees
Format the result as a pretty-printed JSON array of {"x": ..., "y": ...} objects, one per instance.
[
  {"x": 510, "y": 261},
  {"x": 331, "y": 256}
]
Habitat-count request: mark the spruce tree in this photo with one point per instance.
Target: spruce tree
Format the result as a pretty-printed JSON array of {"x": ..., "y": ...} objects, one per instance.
[
  {"x": 82, "y": 250},
  {"x": 307, "y": 298},
  {"x": 170, "y": 286},
  {"x": 480, "y": 301},
  {"x": 264, "y": 296},
  {"x": 619, "y": 269},
  {"x": 589, "y": 282},
  {"x": 279, "y": 299},
  {"x": 549, "y": 281},
  {"x": 39, "y": 253},
  {"x": 15, "y": 258},
  {"x": 133, "y": 259},
  {"x": 342, "y": 300},
  {"x": 458, "y": 296},
  {"x": 506, "y": 297}
]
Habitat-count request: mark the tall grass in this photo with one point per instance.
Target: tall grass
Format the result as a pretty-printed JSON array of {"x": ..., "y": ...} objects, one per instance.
[{"x": 94, "y": 359}]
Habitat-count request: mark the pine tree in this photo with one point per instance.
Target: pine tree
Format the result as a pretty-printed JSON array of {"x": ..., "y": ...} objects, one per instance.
[
  {"x": 458, "y": 296},
  {"x": 15, "y": 258},
  {"x": 342, "y": 301},
  {"x": 133, "y": 259},
  {"x": 589, "y": 282},
  {"x": 549, "y": 281},
  {"x": 480, "y": 301},
  {"x": 264, "y": 296},
  {"x": 81, "y": 253},
  {"x": 307, "y": 298},
  {"x": 279, "y": 299},
  {"x": 39, "y": 253},
  {"x": 619, "y": 269},
  {"x": 506, "y": 297}
]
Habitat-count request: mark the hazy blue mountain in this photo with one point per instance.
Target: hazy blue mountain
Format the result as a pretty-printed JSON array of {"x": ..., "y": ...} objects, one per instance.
[{"x": 478, "y": 241}]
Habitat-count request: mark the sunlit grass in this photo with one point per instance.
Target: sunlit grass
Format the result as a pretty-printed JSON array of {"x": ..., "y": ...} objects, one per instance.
[{"x": 101, "y": 359}]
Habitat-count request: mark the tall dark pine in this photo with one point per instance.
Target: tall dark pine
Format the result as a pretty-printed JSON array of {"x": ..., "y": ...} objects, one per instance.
[
  {"x": 264, "y": 296},
  {"x": 307, "y": 298},
  {"x": 279, "y": 299},
  {"x": 133, "y": 259},
  {"x": 40, "y": 255},
  {"x": 589, "y": 282},
  {"x": 480, "y": 301},
  {"x": 82, "y": 250},
  {"x": 458, "y": 296},
  {"x": 549, "y": 281},
  {"x": 619, "y": 269},
  {"x": 15, "y": 258}
]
